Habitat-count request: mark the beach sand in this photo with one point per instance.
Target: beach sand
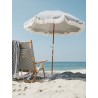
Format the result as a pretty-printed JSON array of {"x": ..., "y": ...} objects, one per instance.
[{"x": 59, "y": 88}]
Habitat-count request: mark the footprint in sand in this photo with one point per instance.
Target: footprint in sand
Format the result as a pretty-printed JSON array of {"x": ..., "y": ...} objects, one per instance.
[
  {"x": 40, "y": 90},
  {"x": 76, "y": 97},
  {"x": 14, "y": 90},
  {"x": 19, "y": 90},
  {"x": 19, "y": 94},
  {"x": 19, "y": 85},
  {"x": 25, "y": 88},
  {"x": 59, "y": 86},
  {"x": 13, "y": 84}
]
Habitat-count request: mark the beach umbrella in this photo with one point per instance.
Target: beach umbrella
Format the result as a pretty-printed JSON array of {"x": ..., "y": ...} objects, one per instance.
[{"x": 54, "y": 22}]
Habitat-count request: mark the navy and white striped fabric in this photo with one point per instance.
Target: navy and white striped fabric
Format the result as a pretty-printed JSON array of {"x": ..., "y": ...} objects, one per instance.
[
  {"x": 15, "y": 58},
  {"x": 26, "y": 56}
]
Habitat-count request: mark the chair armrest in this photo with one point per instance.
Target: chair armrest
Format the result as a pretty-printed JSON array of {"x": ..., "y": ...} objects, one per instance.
[{"x": 41, "y": 62}]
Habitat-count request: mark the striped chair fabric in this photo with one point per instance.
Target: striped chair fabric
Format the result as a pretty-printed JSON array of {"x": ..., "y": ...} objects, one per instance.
[{"x": 26, "y": 63}]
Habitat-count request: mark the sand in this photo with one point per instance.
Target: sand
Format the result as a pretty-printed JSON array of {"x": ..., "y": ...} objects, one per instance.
[{"x": 59, "y": 88}]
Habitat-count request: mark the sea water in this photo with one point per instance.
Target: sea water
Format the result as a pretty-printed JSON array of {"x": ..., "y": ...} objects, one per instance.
[{"x": 61, "y": 66}]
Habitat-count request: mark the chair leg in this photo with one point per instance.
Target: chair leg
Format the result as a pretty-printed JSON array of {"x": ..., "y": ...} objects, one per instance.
[
  {"x": 34, "y": 79},
  {"x": 43, "y": 72},
  {"x": 21, "y": 72},
  {"x": 41, "y": 67}
]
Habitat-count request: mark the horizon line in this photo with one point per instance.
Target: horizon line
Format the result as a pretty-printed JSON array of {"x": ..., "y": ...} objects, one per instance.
[{"x": 67, "y": 61}]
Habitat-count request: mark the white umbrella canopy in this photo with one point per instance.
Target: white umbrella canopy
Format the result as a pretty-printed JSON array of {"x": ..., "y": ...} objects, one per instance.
[
  {"x": 54, "y": 22},
  {"x": 64, "y": 23}
]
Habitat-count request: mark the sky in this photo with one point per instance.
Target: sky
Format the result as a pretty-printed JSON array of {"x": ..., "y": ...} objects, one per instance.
[{"x": 66, "y": 48}]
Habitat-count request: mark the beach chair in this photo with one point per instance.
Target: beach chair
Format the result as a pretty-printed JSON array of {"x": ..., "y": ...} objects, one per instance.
[{"x": 27, "y": 61}]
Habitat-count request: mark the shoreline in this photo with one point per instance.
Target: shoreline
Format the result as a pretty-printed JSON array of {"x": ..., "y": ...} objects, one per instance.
[
  {"x": 74, "y": 71},
  {"x": 48, "y": 73}
]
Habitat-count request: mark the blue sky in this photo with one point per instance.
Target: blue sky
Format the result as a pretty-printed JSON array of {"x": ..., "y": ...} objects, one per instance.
[{"x": 67, "y": 48}]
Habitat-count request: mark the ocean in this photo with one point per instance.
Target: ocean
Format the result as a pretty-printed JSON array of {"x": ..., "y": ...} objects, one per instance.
[{"x": 61, "y": 66}]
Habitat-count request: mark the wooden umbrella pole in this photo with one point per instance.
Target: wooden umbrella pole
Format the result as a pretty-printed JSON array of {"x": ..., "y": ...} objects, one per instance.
[{"x": 52, "y": 49}]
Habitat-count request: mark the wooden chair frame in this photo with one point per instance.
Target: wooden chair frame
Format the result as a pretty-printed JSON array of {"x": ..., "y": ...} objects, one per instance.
[{"x": 35, "y": 71}]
